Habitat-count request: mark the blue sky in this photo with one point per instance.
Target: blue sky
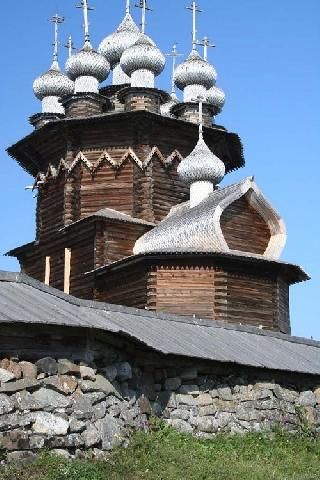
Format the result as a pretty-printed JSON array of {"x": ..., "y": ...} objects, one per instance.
[{"x": 267, "y": 57}]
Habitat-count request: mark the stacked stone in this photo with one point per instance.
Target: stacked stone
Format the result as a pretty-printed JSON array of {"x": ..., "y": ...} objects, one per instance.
[
  {"x": 66, "y": 408},
  {"x": 71, "y": 408}
]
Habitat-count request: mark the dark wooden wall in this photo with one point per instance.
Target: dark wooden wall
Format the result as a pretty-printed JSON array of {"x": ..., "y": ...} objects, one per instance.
[{"x": 243, "y": 228}]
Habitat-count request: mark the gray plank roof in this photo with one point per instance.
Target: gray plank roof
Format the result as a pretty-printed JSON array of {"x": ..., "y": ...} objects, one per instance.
[{"x": 24, "y": 300}]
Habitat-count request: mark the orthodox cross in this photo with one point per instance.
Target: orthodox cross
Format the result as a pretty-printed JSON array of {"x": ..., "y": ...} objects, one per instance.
[
  {"x": 200, "y": 100},
  {"x": 194, "y": 8},
  {"x": 144, "y": 7},
  {"x": 174, "y": 54},
  {"x": 127, "y": 6},
  {"x": 205, "y": 43},
  {"x": 56, "y": 19},
  {"x": 70, "y": 46},
  {"x": 85, "y": 7}
]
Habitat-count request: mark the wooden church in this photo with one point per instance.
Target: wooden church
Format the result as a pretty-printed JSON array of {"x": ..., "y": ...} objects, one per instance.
[{"x": 129, "y": 207}]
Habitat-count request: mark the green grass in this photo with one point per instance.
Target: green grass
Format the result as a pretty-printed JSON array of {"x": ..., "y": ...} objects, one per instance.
[{"x": 167, "y": 455}]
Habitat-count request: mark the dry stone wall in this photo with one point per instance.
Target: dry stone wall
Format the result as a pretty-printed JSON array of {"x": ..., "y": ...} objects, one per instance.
[{"x": 75, "y": 408}]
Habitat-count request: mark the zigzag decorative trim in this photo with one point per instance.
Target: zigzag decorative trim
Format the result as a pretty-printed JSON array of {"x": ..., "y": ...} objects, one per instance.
[{"x": 106, "y": 159}]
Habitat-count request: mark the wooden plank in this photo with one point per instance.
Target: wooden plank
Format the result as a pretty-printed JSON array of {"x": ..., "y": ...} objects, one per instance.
[{"x": 67, "y": 270}]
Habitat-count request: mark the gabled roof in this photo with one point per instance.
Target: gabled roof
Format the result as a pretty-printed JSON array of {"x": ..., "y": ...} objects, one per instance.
[
  {"x": 26, "y": 301},
  {"x": 198, "y": 229}
]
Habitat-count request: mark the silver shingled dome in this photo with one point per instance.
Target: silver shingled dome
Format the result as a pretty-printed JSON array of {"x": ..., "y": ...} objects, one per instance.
[
  {"x": 216, "y": 97},
  {"x": 87, "y": 62},
  {"x": 195, "y": 71},
  {"x": 201, "y": 165},
  {"x": 53, "y": 83},
  {"x": 142, "y": 55},
  {"x": 113, "y": 46}
]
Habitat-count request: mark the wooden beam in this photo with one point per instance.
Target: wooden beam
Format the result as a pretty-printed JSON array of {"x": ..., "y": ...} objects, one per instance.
[
  {"x": 47, "y": 271},
  {"x": 67, "y": 269}
]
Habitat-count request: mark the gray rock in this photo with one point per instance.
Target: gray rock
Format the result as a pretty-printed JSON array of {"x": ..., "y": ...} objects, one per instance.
[
  {"x": 91, "y": 436},
  {"x": 206, "y": 424},
  {"x": 172, "y": 383},
  {"x": 189, "y": 373},
  {"x": 223, "y": 419},
  {"x": 100, "y": 385},
  {"x": 307, "y": 399},
  {"x": 110, "y": 432},
  {"x": 76, "y": 426},
  {"x": 167, "y": 399},
  {"x": 83, "y": 408},
  {"x": 14, "y": 420},
  {"x": 60, "y": 452},
  {"x": 246, "y": 414},
  {"x": 47, "y": 365},
  {"x": 50, "y": 399},
  {"x": 189, "y": 389},
  {"x": 180, "y": 414},
  {"x": 180, "y": 425},
  {"x": 272, "y": 404},
  {"x": 6, "y": 376},
  {"x": 36, "y": 442},
  {"x": 14, "y": 440},
  {"x": 262, "y": 394},
  {"x": 99, "y": 410},
  {"x": 225, "y": 393},
  {"x": 95, "y": 397},
  {"x": 186, "y": 400},
  {"x": 21, "y": 457},
  {"x": 124, "y": 371},
  {"x": 24, "y": 384},
  {"x": 49, "y": 424},
  {"x": 7, "y": 404},
  {"x": 207, "y": 410},
  {"x": 144, "y": 405},
  {"x": 65, "y": 367},
  {"x": 157, "y": 409},
  {"x": 286, "y": 394}
]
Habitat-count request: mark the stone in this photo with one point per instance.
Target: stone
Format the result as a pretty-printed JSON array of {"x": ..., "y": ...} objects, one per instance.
[
  {"x": 180, "y": 425},
  {"x": 110, "y": 432},
  {"x": 76, "y": 426},
  {"x": 225, "y": 393},
  {"x": 100, "y": 384},
  {"x": 7, "y": 404},
  {"x": 91, "y": 436},
  {"x": 266, "y": 404},
  {"x": 29, "y": 370},
  {"x": 189, "y": 389},
  {"x": 99, "y": 410},
  {"x": 189, "y": 373},
  {"x": 157, "y": 409},
  {"x": 13, "y": 420},
  {"x": 309, "y": 414},
  {"x": 144, "y": 405},
  {"x": 47, "y": 365},
  {"x": 172, "y": 383},
  {"x": 6, "y": 376},
  {"x": 246, "y": 414},
  {"x": 110, "y": 372},
  {"x": 23, "y": 384},
  {"x": 124, "y": 371},
  {"x": 207, "y": 410},
  {"x": 307, "y": 399},
  {"x": 206, "y": 424},
  {"x": 12, "y": 367},
  {"x": 21, "y": 457},
  {"x": 265, "y": 386},
  {"x": 180, "y": 414},
  {"x": 87, "y": 373},
  {"x": 204, "y": 399},
  {"x": 14, "y": 440},
  {"x": 83, "y": 408},
  {"x": 62, "y": 384},
  {"x": 285, "y": 394},
  {"x": 49, "y": 424},
  {"x": 65, "y": 367},
  {"x": 167, "y": 399},
  {"x": 50, "y": 399},
  {"x": 25, "y": 401},
  {"x": 36, "y": 442},
  {"x": 317, "y": 394},
  {"x": 222, "y": 419},
  {"x": 262, "y": 394},
  {"x": 226, "y": 406},
  {"x": 60, "y": 452},
  {"x": 186, "y": 400}
]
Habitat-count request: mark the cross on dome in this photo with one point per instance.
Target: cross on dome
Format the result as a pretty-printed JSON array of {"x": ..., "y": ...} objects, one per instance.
[
  {"x": 56, "y": 19},
  {"x": 70, "y": 46},
  {"x": 195, "y": 9},
  {"x": 144, "y": 7},
  {"x": 85, "y": 7},
  {"x": 205, "y": 43}
]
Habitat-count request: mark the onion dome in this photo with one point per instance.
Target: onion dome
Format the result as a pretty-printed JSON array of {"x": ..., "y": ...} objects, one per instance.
[
  {"x": 165, "y": 109},
  {"x": 87, "y": 63},
  {"x": 201, "y": 165},
  {"x": 141, "y": 59},
  {"x": 113, "y": 46},
  {"x": 216, "y": 97},
  {"x": 195, "y": 71},
  {"x": 51, "y": 86}
]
